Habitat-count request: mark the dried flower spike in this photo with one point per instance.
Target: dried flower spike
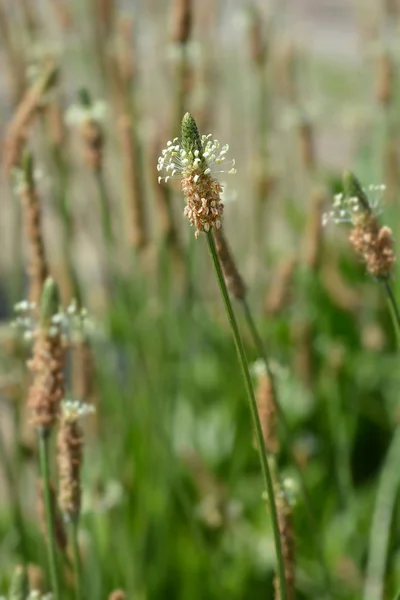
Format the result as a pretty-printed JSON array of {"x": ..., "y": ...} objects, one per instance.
[
  {"x": 25, "y": 177},
  {"x": 286, "y": 531},
  {"x": 47, "y": 364},
  {"x": 373, "y": 243},
  {"x": 70, "y": 456},
  {"x": 195, "y": 159},
  {"x": 266, "y": 406}
]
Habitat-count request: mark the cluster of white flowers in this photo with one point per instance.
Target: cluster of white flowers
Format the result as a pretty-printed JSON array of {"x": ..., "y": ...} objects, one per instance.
[
  {"x": 20, "y": 181},
  {"x": 65, "y": 322},
  {"x": 75, "y": 409},
  {"x": 175, "y": 160},
  {"x": 78, "y": 114},
  {"x": 344, "y": 209}
]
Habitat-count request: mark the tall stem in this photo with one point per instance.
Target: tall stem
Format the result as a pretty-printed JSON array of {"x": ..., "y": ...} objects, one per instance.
[
  {"x": 260, "y": 347},
  {"x": 43, "y": 442},
  {"x": 254, "y": 413},
  {"x": 77, "y": 560},
  {"x": 394, "y": 308}
]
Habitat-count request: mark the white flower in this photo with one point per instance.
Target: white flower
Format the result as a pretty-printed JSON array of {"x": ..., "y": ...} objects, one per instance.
[
  {"x": 175, "y": 160},
  {"x": 75, "y": 409},
  {"x": 20, "y": 181},
  {"x": 344, "y": 209},
  {"x": 78, "y": 114}
]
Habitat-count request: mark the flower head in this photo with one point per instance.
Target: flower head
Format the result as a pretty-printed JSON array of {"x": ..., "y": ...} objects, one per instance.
[
  {"x": 195, "y": 159},
  {"x": 360, "y": 207}
]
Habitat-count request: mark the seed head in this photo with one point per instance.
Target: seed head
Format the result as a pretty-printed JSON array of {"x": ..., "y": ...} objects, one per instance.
[
  {"x": 194, "y": 160},
  {"x": 373, "y": 243},
  {"x": 70, "y": 457}
]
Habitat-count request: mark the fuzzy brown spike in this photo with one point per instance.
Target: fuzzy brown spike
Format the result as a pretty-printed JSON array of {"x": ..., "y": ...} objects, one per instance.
[
  {"x": 136, "y": 218},
  {"x": 181, "y": 21},
  {"x": 306, "y": 144},
  {"x": 286, "y": 530},
  {"x": 303, "y": 337},
  {"x": 125, "y": 54},
  {"x": 26, "y": 111},
  {"x": 37, "y": 262},
  {"x": 69, "y": 458},
  {"x": 279, "y": 294},
  {"x": 258, "y": 46},
  {"x": 384, "y": 79},
  {"x": 234, "y": 281},
  {"x": 374, "y": 244},
  {"x": 266, "y": 406},
  {"x": 47, "y": 388},
  {"x": 313, "y": 235}
]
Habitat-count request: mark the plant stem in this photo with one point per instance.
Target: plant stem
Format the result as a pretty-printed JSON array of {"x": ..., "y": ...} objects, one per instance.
[
  {"x": 43, "y": 442},
  {"x": 254, "y": 413},
  {"x": 104, "y": 208},
  {"x": 260, "y": 347},
  {"x": 394, "y": 308},
  {"x": 77, "y": 560},
  {"x": 381, "y": 522}
]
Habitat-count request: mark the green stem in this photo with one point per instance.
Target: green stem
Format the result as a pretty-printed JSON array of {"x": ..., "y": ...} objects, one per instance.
[
  {"x": 260, "y": 347},
  {"x": 104, "y": 208},
  {"x": 254, "y": 413},
  {"x": 43, "y": 440},
  {"x": 394, "y": 308},
  {"x": 381, "y": 522},
  {"x": 77, "y": 560}
]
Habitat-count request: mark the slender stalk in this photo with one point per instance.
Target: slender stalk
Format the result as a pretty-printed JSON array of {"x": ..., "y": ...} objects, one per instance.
[
  {"x": 394, "y": 308},
  {"x": 105, "y": 208},
  {"x": 260, "y": 346},
  {"x": 43, "y": 442},
  {"x": 381, "y": 522},
  {"x": 254, "y": 413},
  {"x": 77, "y": 560}
]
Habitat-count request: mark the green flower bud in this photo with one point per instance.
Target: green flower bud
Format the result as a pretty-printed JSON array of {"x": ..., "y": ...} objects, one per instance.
[
  {"x": 353, "y": 189},
  {"x": 191, "y": 140},
  {"x": 49, "y": 301}
]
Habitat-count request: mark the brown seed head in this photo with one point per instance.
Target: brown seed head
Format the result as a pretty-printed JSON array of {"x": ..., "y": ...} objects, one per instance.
[
  {"x": 285, "y": 521},
  {"x": 47, "y": 388},
  {"x": 204, "y": 208},
  {"x": 70, "y": 455},
  {"x": 374, "y": 244},
  {"x": 181, "y": 21},
  {"x": 266, "y": 406},
  {"x": 384, "y": 79},
  {"x": 37, "y": 267}
]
